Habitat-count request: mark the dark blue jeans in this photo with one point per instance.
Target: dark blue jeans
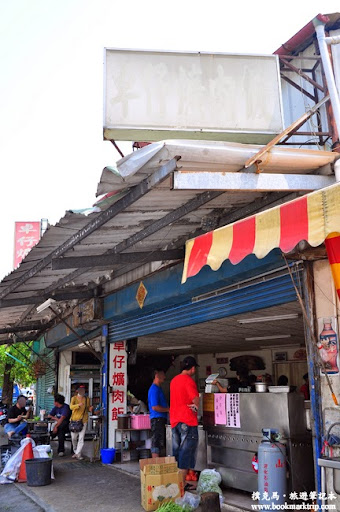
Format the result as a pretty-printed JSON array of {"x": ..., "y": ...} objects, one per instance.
[
  {"x": 20, "y": 429},
  {"x": 184, "y": 445}
]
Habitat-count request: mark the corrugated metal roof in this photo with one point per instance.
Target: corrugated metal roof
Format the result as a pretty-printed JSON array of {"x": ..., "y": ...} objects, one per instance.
[{"x": 34, "y": 281}]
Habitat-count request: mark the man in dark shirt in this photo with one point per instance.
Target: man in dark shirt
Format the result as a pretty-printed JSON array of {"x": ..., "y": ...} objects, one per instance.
[
  {"x": 60, "y": 413},
  {"x": 16, "y": 414}
]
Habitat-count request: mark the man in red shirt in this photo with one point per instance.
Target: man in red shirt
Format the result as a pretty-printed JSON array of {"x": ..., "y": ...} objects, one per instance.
[{"x": 184, "y": 400}]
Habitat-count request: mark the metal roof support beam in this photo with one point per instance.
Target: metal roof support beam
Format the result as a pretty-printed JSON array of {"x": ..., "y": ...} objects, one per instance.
[
  {"x": 302, "y": 74},
  {"x": 35, "y": 299},
  {"x": 169, "y": 218},
  {"x": 298, "y": 87},
  {"x": 10, "y": 341},
  {"x": 269, "y": 200},
  {"x": 131, "y": 197},
  {"x": 249, "y": 181},
  {"x": 25, "y": 327},
  {"x": 108, "y": 260}
]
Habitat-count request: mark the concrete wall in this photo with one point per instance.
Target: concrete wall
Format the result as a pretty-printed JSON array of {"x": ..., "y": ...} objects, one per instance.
[{"x": 205, "y": 360}]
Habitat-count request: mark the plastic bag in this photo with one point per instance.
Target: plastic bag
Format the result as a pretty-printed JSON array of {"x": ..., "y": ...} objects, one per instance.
[
  {"x": 43, "y": 451},
  {"x": 189, "y": 500},
  {"x": 209, "y": 481},
  {"x": 12, "y": 467}
]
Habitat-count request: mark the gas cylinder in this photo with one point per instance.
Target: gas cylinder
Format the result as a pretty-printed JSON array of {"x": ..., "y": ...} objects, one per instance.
[{"x": 272, "y": 475}]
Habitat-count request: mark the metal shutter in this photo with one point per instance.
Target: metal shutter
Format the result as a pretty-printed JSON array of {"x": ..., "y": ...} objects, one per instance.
[
  {"x": 44, "y": 399},
  {"x": 254, "y": 295}
]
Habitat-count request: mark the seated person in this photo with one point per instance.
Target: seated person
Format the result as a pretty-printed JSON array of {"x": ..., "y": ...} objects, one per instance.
[
  {"x": 16, "y": 414},
  {"x": 60, "y": 413}
]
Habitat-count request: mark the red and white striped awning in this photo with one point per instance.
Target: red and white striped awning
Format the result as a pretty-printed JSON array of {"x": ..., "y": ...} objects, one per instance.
[{"x": 312, "y": 218}]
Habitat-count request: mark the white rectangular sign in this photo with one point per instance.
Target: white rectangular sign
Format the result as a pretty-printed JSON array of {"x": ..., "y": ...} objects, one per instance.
[
  {"x": 233, "y": 410},
  {"x": 118, "y": 386},
  {"x": 152, "y": 95}
]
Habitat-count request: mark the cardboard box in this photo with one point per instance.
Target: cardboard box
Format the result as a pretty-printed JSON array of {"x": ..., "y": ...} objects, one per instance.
[{"x": 160, "y": 481}]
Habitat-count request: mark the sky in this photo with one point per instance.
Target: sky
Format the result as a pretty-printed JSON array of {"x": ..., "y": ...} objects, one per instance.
[{"x": 51, "y": 85}]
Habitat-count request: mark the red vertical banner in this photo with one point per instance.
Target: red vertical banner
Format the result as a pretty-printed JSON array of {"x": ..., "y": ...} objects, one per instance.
[
  {"x": 26, "y": 236},
  {"x": 118, "y": 386}
]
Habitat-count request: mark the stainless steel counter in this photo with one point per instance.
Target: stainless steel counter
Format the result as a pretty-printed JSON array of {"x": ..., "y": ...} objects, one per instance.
[{"x": 230, "y": 450}]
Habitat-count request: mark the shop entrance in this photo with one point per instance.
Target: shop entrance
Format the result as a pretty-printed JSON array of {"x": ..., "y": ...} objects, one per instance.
[
  {"x": 271, "y": 341},
  {"x": 258, "y": 322},
  {"x": 275, "y": 334}
]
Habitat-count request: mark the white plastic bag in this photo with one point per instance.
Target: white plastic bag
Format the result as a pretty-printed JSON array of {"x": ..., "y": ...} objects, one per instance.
[
  {"x": 43, "y": 451},
  {"x": 209, "y": 481},
  {"x": 12, "y": 467},
  {"x": 189, "y": 499}
]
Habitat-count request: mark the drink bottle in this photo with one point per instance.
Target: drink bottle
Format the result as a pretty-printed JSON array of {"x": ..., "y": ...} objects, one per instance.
[{"x": 328, "y": 346}]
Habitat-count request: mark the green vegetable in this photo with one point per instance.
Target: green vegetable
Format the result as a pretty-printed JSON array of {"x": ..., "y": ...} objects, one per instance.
[
  {"x": 208, "y": 481},
  {"x": 170, "y": 506}
]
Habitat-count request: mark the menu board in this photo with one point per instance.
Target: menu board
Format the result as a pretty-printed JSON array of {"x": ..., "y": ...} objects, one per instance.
[
  {"x": 233, "y": 410},
  {"x": 220, "y": 409}
]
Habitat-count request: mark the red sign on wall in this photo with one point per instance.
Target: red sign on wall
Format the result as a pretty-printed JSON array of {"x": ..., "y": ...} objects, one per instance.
[{"x": 27, "y": 235}]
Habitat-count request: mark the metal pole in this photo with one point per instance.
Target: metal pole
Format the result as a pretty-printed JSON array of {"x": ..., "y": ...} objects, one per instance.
[
  {"x": 313, "y": 370},
  {"x": 23, "y": 355},
  {"x": 327, "y": 65},
  {"x": 15, "y": 359}
]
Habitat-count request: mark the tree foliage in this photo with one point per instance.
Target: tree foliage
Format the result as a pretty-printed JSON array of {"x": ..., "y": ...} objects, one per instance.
[{"x": 21, "y": 373}]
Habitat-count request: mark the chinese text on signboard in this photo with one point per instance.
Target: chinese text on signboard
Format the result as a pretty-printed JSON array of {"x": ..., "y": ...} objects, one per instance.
[
  {"x": 27, "y": 235},
  {"x": 118, "y": 380},
  {"x": 220, "y": 409},
  {"x": 233, "y": 410},
  {"x": 227, "y": 409}
]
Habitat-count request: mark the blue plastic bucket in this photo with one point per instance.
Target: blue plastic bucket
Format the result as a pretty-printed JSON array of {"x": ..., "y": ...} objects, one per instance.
[{"x": 108, "y": 455}]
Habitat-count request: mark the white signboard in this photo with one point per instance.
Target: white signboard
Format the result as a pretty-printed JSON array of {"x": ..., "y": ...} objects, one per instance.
[
  {"x": 118, "y": 386},
  {"x": 152, "y": 95},
  {"x": 233, "y": 410}
]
